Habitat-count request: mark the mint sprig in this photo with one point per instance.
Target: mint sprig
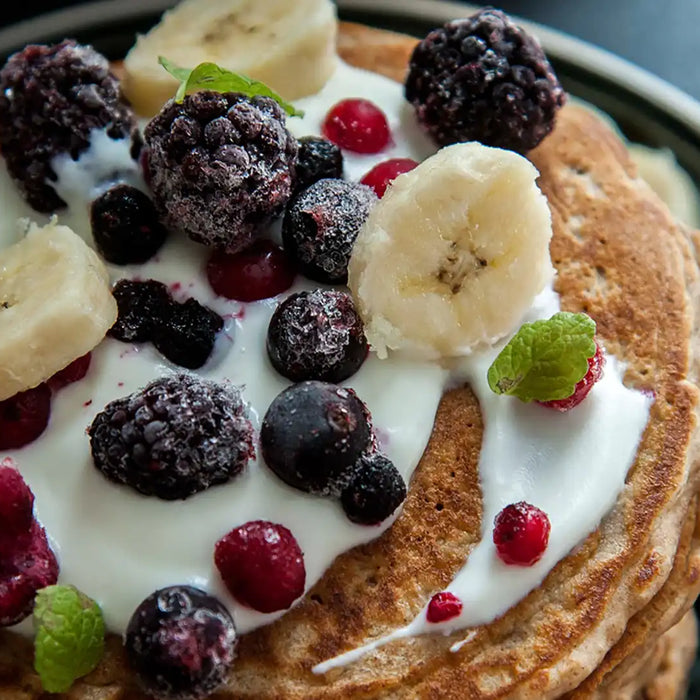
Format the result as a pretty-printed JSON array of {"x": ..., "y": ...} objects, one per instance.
[
  {"x": 545, "y": 360},
  {"x": 209, "y": 76},
  {"x": 69, "y": 640}
]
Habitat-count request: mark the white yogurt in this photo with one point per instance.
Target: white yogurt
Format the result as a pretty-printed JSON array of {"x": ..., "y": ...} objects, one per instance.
[{"x": 119, "y": 546}]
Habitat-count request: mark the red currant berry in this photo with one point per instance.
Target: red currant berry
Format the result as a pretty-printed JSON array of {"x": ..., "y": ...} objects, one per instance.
[
  {"x": 383, "y": 174},
  {"x": 595, "y": 372},
  {"x": 262, "y": 565},
  {"x": 357, "y": 125},
  {"x": 24, "y": 416},
  {"x": 75, "y": 371},
  {"x": 443, "y": 606},
  {"x": 260, "y": 271},
  {"x": 521, "y": 534}
]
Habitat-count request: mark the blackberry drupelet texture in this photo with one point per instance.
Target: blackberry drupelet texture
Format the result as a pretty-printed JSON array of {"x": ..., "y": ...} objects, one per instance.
[
  {"x": 318, "y": 159},
  {"x": 317, "y": 335},
  {"x": 51, "y": 98},
  {"x": 140, "y": 305},
  {"x": 321, "y": 225},
  {"x": 484, "y": 79},
  {"x": 181, "y": 643},
  {"x": 220, "y": 166},
  {"x": 375, "y": 491},
  {"x": 178, "y": 436}
]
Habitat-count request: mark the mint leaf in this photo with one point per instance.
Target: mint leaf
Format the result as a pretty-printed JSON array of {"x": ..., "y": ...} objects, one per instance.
[
  {"x": 69, "y": 640},
  {"x": 209, "y": 76},
  {"x": 545, "y": 360}
]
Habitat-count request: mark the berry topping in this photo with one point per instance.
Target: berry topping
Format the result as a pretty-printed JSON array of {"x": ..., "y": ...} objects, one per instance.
[
  {"x": 125, "y": 226},
  {"x": 221, "y": 166},
  {"x": 181, "y": 643},
  {"x": 16, "y": 502},
  {"x": 140, "y": 305},
  {"x": 318, "y": 159},
  {"x": 260, "y": 271},
  {"x": 443, "y": 606},
  {"x": 262, "y": 565},
  {"x": 583, "y": 387},
  {"x": 51, "y": 98},
  {"x": 186, "y": 333},
  {"x": 384, "y": 173},
  {"x": 521, "y": 534},
  {"x": 178, "y": 436},
  {"x": 375, "y": 490},
  {"x": 24, "y": 416},
  {"x": 317, "y": 335},
  {"x": 24, "y": 569},
  {"x": 357, "y": 125},
  {"x": 312, "y": 435},
  {"x": 74, "y": 372},
  {"x": 321, "y": 225},
  {"x": 484, "y": 79}
]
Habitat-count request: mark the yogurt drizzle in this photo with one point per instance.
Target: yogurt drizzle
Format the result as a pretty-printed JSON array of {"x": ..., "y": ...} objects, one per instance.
[{"x": 119, "y": 546}]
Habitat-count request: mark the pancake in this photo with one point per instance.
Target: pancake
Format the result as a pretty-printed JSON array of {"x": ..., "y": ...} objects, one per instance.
[{"x": 601, "y": 614}]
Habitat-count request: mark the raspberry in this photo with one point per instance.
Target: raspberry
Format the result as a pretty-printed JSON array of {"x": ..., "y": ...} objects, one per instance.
[
  {"x": 484, "y": 79},
  {"x": 140, "y": 305},
  {"x": 521, "y": 534},
  {"x": 178, "y": 436},
  {"x": 582, "y": 389},
  {"x": 51, "y": 98},
  {"x": 357, "y": 125},
  {"x": 186, "y": 333},
  {"x": 317, "y": 159},
  {"x": 262, "y": 565},
  {"x": 16, "y": 502},
  {"x": 220, "y": 166},
  {"x": 321, "y": 225},
  {"x": 125, "y": 226},
  {"x": 181, "y": 643},
  {"x": 375, "y": 490},
  {"x": 27, "y": 567},
  {"x": 384, "y": 173},
  {"x": 312, "y": 435},
  {"x": 443, "y": 606},
  {"x": 73, "y": 372},
  {"x": 24, "y": 417},
  {"x": 317, "y": 335},
  {"x": 260, "y": 271}
]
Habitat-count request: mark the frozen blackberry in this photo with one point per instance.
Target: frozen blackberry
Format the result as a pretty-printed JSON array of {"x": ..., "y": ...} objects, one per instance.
[
  {"x": 321, "y": 225},
  {"x": 484, "y": 79},
  {"x": 51, "y": 98},
  {"x": 181, "y": 643},
  {"x": 375, "y": 490},
  {"x": 186, "y": 333},
  {"x": 312, "y": 435},
  {"x": 125, "y": 226},
  {"x": 140, "y": 305},
  {"x": 220, "y": 166},
  {"x": 317, "y": 335},
  {"x": 178, "y": 436},
  {"x": 318, "y": 159}
]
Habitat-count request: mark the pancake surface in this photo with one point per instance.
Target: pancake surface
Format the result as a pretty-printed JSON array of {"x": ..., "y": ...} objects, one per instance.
[{"x": 621, "y": 258}]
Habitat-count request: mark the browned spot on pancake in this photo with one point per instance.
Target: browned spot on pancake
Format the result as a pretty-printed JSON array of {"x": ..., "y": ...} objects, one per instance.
[{"x": 649, "y": 570}]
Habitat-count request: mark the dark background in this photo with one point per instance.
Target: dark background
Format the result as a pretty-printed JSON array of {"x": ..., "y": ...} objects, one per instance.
[{"x": 663, "y": 36}]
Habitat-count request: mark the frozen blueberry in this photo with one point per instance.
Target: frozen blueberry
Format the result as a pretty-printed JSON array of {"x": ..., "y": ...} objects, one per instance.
[{"x": 312, "y": 435}]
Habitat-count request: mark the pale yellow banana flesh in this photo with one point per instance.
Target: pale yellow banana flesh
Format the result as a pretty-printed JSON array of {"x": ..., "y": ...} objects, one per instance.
[
  {"x": 287, "y": 44},
  {"x": 453, "y": 255},
  {"x": 55, "y": 305}
]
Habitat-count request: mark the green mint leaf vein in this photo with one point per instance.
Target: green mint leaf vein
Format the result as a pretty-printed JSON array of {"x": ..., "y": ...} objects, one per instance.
[
  {"x": 545, "y": 360},
  {"x": 209, "y": 76},
  {"x": 69, "y": 641}
]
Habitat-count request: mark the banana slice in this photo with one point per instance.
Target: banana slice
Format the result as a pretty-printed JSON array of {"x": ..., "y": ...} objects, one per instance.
[
  {"x": 289, "y": 45},
  {"x": 55, "y": 305},
  {"x": 454, "y": 254}
]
